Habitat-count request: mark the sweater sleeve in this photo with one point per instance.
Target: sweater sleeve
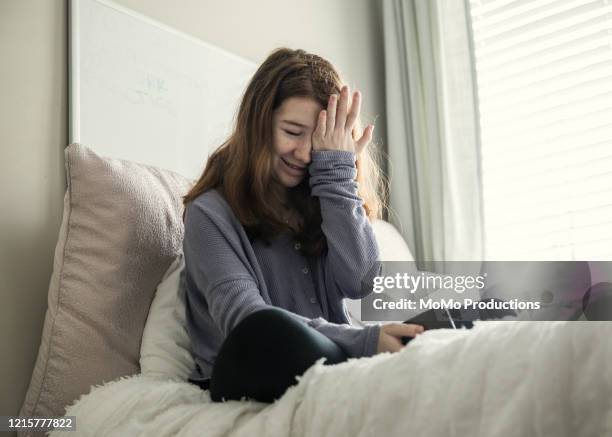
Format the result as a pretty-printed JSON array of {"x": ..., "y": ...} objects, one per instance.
[
  {"x": 352, "y": 258},
  {"x": 221, "y": 271}
]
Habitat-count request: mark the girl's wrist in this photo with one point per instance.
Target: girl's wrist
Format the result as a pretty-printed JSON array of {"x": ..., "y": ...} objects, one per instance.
[{"x": 329, "y": 155}]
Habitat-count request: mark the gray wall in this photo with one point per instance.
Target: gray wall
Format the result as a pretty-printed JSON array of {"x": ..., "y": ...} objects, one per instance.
[
  {"x": 34, "y": 111},
  {"x": 33, "y": 133}
]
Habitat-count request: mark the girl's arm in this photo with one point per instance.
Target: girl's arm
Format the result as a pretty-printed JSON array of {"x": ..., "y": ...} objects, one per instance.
[
  {"x": 352, "y": 259},
  {"x": 222, "y": 274}
]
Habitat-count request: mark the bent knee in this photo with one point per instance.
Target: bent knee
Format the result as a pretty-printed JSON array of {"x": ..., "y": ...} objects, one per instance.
[{"x": 268, "y": 320}]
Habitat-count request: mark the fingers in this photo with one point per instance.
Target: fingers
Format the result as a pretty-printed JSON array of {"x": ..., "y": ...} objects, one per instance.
[
  {"x": 395, "y": 346},
  {"x": 342, "y": 108},
  {"x": 354, "y": 111},
  {"x": 319, "y": 131},
  {"x": 413, "y": 330},
  {"x": 365, "y": 138},
  {"x": 331, "y": 113},
  {"x": 403, "y": 329},
  {"x": 340, "y": 120}
]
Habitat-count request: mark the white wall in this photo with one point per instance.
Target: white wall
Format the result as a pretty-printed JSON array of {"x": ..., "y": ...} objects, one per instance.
[
  {"x": 33, "y": 124},
  {"x": 346, "y": 32}
]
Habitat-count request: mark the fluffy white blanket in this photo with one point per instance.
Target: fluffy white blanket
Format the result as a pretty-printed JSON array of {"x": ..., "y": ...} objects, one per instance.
[{"x": 498, "y": 379}]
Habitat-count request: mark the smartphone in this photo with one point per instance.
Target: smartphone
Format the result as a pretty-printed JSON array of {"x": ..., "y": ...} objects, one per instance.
[{"x": 434, "y": 319}]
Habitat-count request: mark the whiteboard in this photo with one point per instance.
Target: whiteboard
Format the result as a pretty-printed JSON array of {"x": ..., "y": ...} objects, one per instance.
[{"x": 145, "y": 92}]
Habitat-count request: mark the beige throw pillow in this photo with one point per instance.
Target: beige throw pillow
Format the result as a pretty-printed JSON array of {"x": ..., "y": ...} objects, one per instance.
[{"x": 121, "y": 230}]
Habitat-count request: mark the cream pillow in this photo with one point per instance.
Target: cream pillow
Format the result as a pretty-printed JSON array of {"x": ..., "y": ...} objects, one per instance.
[{"x": 122, "y": 227}]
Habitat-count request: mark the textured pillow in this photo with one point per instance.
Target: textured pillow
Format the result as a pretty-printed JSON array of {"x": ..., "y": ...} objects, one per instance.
[
  {"x": 166, "y": 346},
  {"x": 121, "y": 230}
]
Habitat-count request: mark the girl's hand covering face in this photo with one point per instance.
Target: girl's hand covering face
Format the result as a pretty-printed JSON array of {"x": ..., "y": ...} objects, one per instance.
[{"x": 336, "y": 126}]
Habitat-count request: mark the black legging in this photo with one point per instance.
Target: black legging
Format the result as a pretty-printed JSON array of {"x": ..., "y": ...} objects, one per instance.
[{"x": 263, "y": 354}]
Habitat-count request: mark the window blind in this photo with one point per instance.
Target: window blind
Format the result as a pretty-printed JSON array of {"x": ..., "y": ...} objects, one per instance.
[{"x": 544, "y": 81}]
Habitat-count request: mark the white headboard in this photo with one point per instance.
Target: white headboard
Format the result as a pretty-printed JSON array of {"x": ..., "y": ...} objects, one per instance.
[{"x": 143, "y": 91}]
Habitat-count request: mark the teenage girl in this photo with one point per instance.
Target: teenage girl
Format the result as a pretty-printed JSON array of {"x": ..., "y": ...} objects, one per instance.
[{"x": 278, "y": 233}]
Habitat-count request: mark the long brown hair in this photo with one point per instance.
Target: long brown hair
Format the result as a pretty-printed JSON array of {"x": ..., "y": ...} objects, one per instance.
[{"x": 241, "y": 168}]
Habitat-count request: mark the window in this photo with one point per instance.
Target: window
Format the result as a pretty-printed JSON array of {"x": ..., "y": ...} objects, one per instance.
[{"x": 544, "y": 75}]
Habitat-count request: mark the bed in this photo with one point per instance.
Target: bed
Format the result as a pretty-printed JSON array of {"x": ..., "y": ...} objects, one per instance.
[
  {"x": 499, "y": 379},
  {"x": 115, "y": 350},
  {"x": 115, "y": 353}
]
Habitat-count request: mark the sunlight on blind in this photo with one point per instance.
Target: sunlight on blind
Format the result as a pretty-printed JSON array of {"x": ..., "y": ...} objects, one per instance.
[{"x": 544, "y": 72}]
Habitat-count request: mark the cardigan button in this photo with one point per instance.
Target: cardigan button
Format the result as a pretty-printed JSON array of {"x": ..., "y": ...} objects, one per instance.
[
  {"x": 305, "y": 270},
  {"x": 313, "y": 300},
  {"x": 297, "y": 246}
]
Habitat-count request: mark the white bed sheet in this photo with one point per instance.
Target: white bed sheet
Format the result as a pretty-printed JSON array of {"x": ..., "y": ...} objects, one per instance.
[{"x": 498, "y": 379}]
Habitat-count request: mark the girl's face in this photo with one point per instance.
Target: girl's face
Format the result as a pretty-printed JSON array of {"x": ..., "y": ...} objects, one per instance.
[{"x": 293, "y": 124}]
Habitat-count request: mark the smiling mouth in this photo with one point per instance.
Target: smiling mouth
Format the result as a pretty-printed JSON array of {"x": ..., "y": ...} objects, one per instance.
[{"x": 293, "y": 167}]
